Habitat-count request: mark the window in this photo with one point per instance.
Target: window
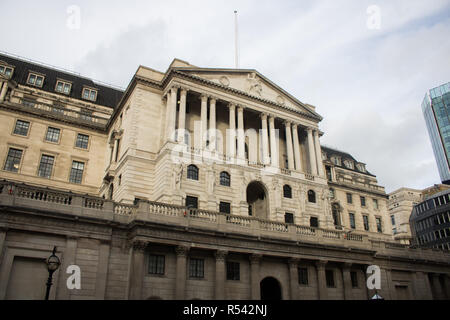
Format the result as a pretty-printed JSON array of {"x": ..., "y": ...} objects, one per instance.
[
  {"x": 363, "y": 201},
  {"x": 233, "y": 272},
  {"x": 287, "y": 191},
  {"x": 224, "y": 207},
  {"x": 375, "y": 204},
  {"x": 354, "y": 278},
  {"x": 35, "y": 80},
  {"x": 329, "y": 175},
  {"x": 393, "y": 220},
  {"x": 329, "y": 275},
  {"x": 379, "y": 228},
  {"x": 82, "y": 141},
  {"x": 63, "y": 87},
  {"x": 21, "y": 127},
  {"x": 76, "y": 173},
  {"x": 86, "y": 115},
  {"x": 13, "y": 160},
  {"x": 336, "y": 215},
  {"x": 366, "y": 223},
  {"x": 303, "y": 276},
  {"x": 192, "y": 202},
  {"x": 332, "y": 193},
  {"x": 156, "y": 264},
  {"x": 196, "y": 268},
  {"x": 352, "y": 220},
  {"x": 46, "y": 166},
  {"x": 349, "y": 198},
  {"x": 224, "y": 179},
  {"x": 52, "y": 134},
  {"x": 192, "y": 172},
  {"x": 89, "y": 94},
  {"x": 311, "y": 196},
  {"x": 288, "y": 217},
  {"x": 314, "y": 222},
  {"x": 7, "y": 71}
]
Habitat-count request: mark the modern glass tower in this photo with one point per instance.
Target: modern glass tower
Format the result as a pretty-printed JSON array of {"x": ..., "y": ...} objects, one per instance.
[{"x": 436, "y": 110}]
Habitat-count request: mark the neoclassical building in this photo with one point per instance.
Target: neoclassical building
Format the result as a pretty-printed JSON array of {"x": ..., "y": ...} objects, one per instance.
[{"x": 194, "y": 183}]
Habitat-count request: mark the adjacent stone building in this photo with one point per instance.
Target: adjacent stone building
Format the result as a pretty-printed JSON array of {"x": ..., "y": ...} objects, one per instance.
[{"x": 196, "y": 183}]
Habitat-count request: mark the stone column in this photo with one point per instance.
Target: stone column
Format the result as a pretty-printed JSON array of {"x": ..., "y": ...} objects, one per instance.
[
  {"x": 231, "y": 139},
  {"x": 320, "y": 170},
  {"x": 68, "y": 258},
  {"x": 421, "y": 286},
  {"x": 438, "y": 292},
  {"x": 116, "y": 142},
  {"x": 348, "y": 294},
  {"x": 212, "y": 124},
  {"x": 180, "y": 281},
  {"x": 172, "y": 113},
  {"x": 321, "y": 279},
  {"x": 311, "y": 152},
  {"x": 293, "y": 278},
  {"x": 255, "y": 260},
  {"x": 4, "y": 88},
  {"x": 264, "y": 139},
  {"x": 3, "y": 231},
  {"x": 220, "y": 274},
  {"x": 364, "y": 270},
  {"x": 240, "y": 133},
  {"x": 298, "y": 161},
  {"x": 204, "y": 120},
  {"x": 274, "y": 154},
  {"x": 182, "y": 115},
  {"x": 137, "y": 270},
  {"x": 290, "y": 152},
  {"x": 102, "y": 270}
]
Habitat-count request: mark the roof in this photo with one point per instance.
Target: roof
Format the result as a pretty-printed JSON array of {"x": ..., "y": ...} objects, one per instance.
[
  {"x": 106, "y": 96},
  {"x": 344, "y": 155}
]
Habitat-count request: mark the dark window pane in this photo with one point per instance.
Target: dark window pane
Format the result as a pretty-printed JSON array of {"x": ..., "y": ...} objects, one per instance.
[
  {"x": 224, "y": 207},
  {"x": 46, "y": 166},
  {"x": 225, "y": 179},
  {"x": 13, "y": 160},
  {"x": 192, "y": 172},
  {"x": 314, "y": 222},
  {"x": 82, "y": 141},
  {"x": 303, "y": 276},
  {"x": 192, "y": 202},
  {"x": 352, "y": 221},
  {"x": 76, "y": 173},
  {"x": 288, "y": 217},
  {"x": 349, "y": 198},
  {"x": 311, "y": 196},
  {"x": 233, "y": 272},
  {"x": 52, "y": 134},
  {"x": 329, "y": 274},
  {"x": 21, "y": 127},
  {"x": 354, "y": 278},
  {"x": 287, "y": 191},
  {"x": 366, "y": 223},
  {"x": 196, "y": 268},
  {"x": 156, "y": 264}
]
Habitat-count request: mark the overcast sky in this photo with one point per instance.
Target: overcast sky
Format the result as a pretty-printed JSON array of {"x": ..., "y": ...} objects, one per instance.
[{"x": 366, "y": 76}]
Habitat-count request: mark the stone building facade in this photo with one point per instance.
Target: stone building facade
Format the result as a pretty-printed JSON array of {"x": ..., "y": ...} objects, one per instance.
[{"x": 191, "y": 184}]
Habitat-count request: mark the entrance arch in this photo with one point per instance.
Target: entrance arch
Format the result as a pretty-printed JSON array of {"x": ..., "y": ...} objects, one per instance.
[
  {"x": 258, "y": 204},
  {"x": 270, "y": 289}
]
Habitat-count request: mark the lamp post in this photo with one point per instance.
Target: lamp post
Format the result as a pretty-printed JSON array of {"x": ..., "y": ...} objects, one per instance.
[{"x": 53, "y": 264}]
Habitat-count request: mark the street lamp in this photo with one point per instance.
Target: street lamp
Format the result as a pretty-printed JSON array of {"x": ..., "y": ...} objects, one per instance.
[{"x": 53, "y": 264}]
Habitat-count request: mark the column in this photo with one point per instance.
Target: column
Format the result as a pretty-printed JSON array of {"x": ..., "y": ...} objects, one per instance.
[
  {"x": 421, "y": 286},
  {"x": 264, "y": 139},
  {"x": 172, "y": 113},
  {"x": 348, "y": 295},
  {"x": 240, "y": 133},
  {"x": 204, "y": 120},
  {"x": 321, "y": 279},
  {"x": 293, "y": 278},
  {"x": 68, "y": 258},
  {"x": 274, "y": 156},
  {"x": 116, "y": 144},
  {"x": 364, "y": 270},
  {"x": 182, "y": 115},
  {"x": 231, "y": 139},
  {"x": 3, "y": 231},
  {"x": 298, "y": 162},
  {"x": 255, "y": 260},
  {"x": 220, "y": 274},
  {"x": 212, "y": 124},
  {"x": 4, "y": 88},
  {"x": 137, "y": 270},
  {"x": 102, "y": 270},
  {"x": 290, "y": 152},
  {"x": 320, "y": 170},
  {"x": 311, "y": 152},
  {"x": 180, "y": 281},
  {"x": 437, "y": 288}
]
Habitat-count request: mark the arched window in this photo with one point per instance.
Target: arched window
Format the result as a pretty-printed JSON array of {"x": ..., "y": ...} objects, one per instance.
[
  {"x": 224, "y": 179},
  {"x": 287, "y": 191},
  {"x": 192, "y": 172},
  {"x": 311, "y": 196}
]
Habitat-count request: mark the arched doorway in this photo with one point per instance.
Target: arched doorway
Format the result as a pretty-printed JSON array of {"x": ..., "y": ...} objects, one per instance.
[
  {"x": 270, "y": 289},
  {"x": 258, "y": 206}
]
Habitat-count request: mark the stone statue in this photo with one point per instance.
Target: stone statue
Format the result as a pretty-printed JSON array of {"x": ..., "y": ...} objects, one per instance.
[
  {"x": 211, "y": 179},
  {"x": 178, "y": 174}
]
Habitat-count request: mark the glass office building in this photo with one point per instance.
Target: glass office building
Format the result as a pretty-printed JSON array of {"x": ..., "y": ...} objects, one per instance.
[{"x": 436, "y": 110}]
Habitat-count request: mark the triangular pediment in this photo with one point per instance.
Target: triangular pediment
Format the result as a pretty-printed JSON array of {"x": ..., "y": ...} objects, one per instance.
[{"x": 252, "y": 83}]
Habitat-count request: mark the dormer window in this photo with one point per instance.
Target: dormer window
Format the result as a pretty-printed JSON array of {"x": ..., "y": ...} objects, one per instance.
[
  {"x": 336, "y": 160},
  {"x": 35, "y": 80},
  {"x": 90, "y": 94},
  {"x": 348, "y": 164},
  {"x": 361, "y": 167},
  {"x": 63, "y": 87},
  {"x": 5, "y": 70}
]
